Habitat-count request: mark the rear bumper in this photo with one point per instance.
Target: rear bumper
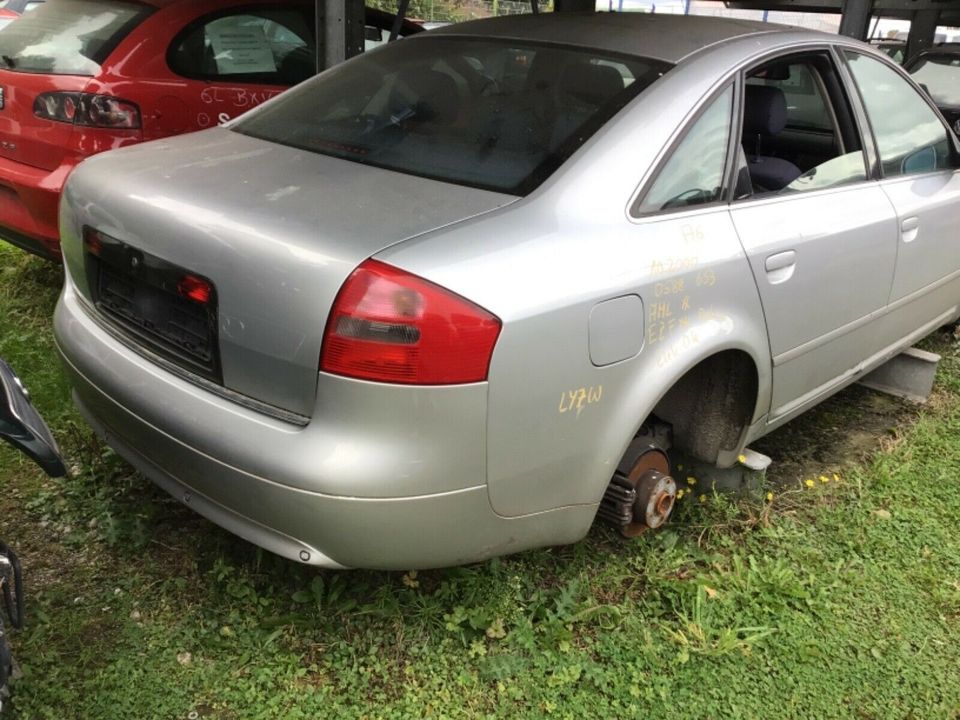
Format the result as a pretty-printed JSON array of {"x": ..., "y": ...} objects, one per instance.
[
  {"x": 390, "y": 478},
  {"x": 29, "y": 200}
]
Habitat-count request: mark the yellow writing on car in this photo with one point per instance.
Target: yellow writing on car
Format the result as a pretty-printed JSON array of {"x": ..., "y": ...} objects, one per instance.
[{"x": 577, "y": 400}]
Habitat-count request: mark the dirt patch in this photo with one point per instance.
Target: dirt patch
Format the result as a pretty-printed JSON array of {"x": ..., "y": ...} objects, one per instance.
[{"x": 839, "y": 432}]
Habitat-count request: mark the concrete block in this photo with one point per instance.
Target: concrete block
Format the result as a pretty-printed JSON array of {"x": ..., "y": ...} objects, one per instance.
[
  {"x": 746, "y": 477},
  {"x": 908, "y": 375}
]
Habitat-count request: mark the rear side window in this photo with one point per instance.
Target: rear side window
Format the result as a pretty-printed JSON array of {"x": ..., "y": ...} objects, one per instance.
[
  {"x": 485, "y": 113},
  {"x": 268, "y": 46},
  {"x": 910, "y": 137},
  {"x": 68, "y": 37},
  {"x": 694, "y": 173}
]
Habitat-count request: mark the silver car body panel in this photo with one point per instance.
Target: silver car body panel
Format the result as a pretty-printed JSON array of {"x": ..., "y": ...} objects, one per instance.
[{"x": 602, "y": 314}]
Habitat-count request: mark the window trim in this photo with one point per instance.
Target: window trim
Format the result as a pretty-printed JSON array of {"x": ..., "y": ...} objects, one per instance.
[
  {"x": 665, "y": 156},
  {"x": 861, "y": 118},
  {"x": 238, "y": 78},
  {"x": 952, "y": 138}
]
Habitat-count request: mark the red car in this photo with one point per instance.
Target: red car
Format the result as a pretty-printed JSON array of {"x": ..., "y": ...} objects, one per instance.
[{"x": 78, "y": 77}]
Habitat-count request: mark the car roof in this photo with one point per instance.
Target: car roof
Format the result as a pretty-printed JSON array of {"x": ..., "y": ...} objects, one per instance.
[{"x": 665, "y": 37}]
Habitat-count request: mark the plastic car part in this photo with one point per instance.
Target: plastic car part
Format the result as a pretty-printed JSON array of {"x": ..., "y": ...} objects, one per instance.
[
  {"x": 390, "y": 326},
  {"x": 22, "y": 426}
]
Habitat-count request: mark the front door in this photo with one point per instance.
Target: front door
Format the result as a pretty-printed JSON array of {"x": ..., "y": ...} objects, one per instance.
[{"x": 919, "y": 162}]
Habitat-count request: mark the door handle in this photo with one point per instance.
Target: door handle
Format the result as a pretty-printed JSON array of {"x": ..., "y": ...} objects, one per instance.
[
  {"x": 780, "y": 266},
  {"x": 910, "y": 228}
]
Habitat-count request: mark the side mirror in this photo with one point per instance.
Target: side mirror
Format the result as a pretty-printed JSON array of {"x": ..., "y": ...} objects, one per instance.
[
  {"x": 922, "y": 160},
  {"x": 925, "y": 89},
  {"x": 22, "y": 426}
]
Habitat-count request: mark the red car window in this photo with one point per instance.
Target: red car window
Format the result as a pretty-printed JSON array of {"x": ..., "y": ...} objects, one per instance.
[
  {"x": 270, "y": 46},
  {"x": 68, "y": 37}
]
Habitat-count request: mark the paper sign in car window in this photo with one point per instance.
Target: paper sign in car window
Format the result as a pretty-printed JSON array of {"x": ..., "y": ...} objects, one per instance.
[{"x": 240, "y": 49}]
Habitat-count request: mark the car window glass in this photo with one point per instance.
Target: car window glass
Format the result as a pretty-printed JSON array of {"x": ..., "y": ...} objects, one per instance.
[
  {"x": 694, "y": 173},
  {"x": 68, "y": 37},
  {"x": 263, "y": 46},
  {"x": 474, "y": 111},
  {"x": 940, "y": 73},
  {"x": 798, "y": 133},
  {"x": 909, "y": 135},
  {"x": 374, "y": 37},
  {"x": 807, "y": 106}
]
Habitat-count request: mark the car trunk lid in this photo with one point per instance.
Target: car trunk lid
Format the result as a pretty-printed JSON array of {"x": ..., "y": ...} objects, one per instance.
[
  {"x": 24, "y": 137},
  {"x": 275, "y": 230}
]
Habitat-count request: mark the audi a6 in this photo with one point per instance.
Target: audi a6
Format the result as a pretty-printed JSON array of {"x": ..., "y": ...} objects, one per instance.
[{"x": 469, "y": 293}]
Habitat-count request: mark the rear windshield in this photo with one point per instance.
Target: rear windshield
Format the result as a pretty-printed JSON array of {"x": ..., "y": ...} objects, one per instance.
[
  {"x": 68, "y": 37},
  {"x": 941, "y": 75},
  {"x": 471, "y": 111}
]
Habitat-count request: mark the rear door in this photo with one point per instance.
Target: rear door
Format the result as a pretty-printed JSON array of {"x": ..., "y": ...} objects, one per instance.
[
  {"x": 820, "y": 235},
  {"x": 919, "y": 163}
]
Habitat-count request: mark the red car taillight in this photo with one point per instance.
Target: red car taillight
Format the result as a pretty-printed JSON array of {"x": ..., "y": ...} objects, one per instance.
[
  {"x": 390, "y": 326},
  {"x": 99, "y": 111}
]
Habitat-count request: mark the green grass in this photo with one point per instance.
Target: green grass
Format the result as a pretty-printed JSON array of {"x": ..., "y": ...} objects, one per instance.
[{"x": 840, "y": 601}]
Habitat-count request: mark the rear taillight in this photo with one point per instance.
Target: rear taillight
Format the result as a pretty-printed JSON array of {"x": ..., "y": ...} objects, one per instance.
[
  {"x": 99, "y": 111},
  {"x": 390, "y": 326}
]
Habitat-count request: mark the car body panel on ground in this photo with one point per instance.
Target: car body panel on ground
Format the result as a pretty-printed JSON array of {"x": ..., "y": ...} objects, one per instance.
[{"x": 709, "y": 235}]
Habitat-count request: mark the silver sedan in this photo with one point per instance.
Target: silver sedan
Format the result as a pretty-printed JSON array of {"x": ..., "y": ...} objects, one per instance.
[{"x": 467, "y": 293}]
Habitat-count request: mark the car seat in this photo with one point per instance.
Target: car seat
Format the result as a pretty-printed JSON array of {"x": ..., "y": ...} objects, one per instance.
[{"x": 765, "y": 116}]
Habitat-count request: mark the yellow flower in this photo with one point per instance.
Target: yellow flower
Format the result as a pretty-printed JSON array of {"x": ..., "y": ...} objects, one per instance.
[
  {"x": 679, "y": 467},
  {"x": 836, "y": 477},
  {"x": 769, "y": 497},
  {"x": 691, "y": 480},
  {"x": 680, "y": 494},
  {"x": 824, "y": 479},
  {"x": 741, "y": 459},
  {"x": 809, "y": 483},
  {"x": 703, "y": 498}
]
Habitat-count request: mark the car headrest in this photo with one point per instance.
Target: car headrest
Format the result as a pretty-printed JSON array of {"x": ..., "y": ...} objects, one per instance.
[
  {"x": 764, "y": 110},
  {"x": 590, "y": 84},
  {"x": 432, "y": 94}
]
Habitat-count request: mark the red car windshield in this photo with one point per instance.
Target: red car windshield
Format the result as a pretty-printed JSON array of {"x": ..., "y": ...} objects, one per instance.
[
  {"x": 473, "y": 111},
  {"x": 68, "y": 37}
]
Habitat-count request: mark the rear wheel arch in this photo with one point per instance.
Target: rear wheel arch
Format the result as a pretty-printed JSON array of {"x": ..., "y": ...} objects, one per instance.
[{"x": 711, "y": 406}]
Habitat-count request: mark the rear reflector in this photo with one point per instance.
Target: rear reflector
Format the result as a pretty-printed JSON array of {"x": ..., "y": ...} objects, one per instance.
[
  {"x": 195, "y": 288},
  {"x": 390, "y": 326},
  {"x": 89, "y": 110}
]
